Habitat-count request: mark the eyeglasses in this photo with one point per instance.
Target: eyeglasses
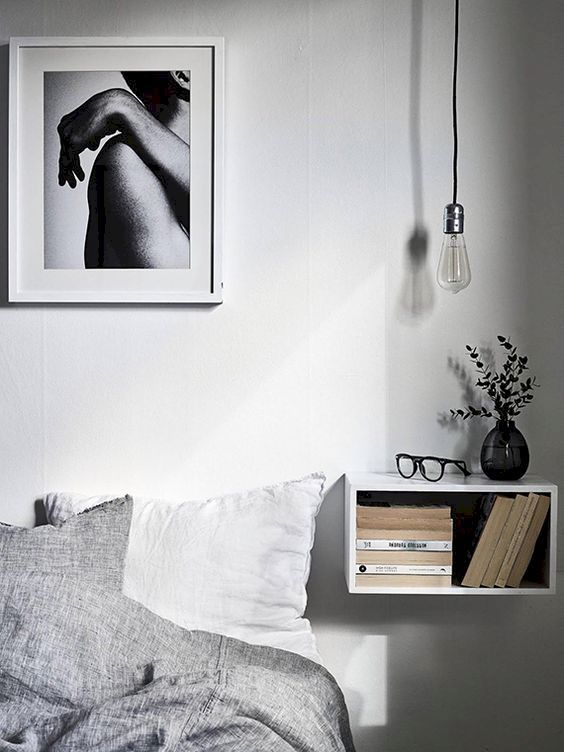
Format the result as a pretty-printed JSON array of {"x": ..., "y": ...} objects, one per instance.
[{"x": 431, "y": 468}]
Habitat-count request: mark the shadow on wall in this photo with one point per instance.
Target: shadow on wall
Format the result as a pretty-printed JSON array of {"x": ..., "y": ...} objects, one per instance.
[
  {"x": 40, "y": 516},
  {"x": 337, "y": 615},
  {"x": 416, "y": 297},
  {"x": 468, "y": 434},
  {"x": 4, "y": 66},
  {"x": 416, "y": 294}
]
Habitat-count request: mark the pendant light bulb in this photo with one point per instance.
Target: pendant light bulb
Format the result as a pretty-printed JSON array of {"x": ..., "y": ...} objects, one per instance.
[{"x": 453, "y": 272}]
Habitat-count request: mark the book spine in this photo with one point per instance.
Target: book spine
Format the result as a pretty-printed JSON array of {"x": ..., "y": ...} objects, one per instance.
[
  {"x": 383, "y": 544},
  {"x": 443, "y": 532},
  {"x": 496, "y": 561},
  {"x": 403, "y": 569},
  {"x": 517, "y": 540},
  {"x": 415, "y": 513},
  {"x": 487, "y": 543},
  {"x": 525, "y": 554},
  {"x": 401, "y": 523},
  {"x": 486, "y": 506},
  {"x": 432, "y": 558},
  {"x": 402, "y": 581}
]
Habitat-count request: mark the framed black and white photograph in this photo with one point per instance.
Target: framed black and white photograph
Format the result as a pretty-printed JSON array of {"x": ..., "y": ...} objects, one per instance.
[{"x": 115, "y": 170}]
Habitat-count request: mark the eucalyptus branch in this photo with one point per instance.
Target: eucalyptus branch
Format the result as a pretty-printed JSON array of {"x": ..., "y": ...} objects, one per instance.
[{"x": 507, "y": 389}]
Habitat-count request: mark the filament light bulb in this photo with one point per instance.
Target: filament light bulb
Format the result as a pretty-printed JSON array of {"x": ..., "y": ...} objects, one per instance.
[{"x": 453, "y": 272}]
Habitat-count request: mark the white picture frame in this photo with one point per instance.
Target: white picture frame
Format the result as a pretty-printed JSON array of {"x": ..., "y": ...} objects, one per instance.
[{"x": 44, "y": 265}]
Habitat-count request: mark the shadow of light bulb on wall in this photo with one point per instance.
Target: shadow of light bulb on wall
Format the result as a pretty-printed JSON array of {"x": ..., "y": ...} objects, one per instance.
[
  {"x": 417, "y": 296},
  {"x": 468, "y": 434},
  {"x": 417, "y": 291}
]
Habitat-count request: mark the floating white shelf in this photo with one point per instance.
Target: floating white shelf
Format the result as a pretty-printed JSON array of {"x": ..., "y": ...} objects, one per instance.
[{"x": 458, "y": 492}]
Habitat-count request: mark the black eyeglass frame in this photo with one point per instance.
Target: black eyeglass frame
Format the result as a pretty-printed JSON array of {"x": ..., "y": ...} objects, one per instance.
[{"x": 418, "y": 464}]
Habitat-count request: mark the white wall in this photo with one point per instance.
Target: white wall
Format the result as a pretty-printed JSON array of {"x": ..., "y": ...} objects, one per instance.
[{"x": 321, "y": 356}]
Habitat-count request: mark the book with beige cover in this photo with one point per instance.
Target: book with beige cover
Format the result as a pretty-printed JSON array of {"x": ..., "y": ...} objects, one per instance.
[
  {"x": 404, "y": 557},
  {"x": 517, "y": 506},
  {"x": 441, "y": 530},
  {"x": 397, "y": 523},
  {"x": 402, "y": 580},
  {"x": 487, "y": 542},
  {"x": 420, "y": 512},
  {"x": 526, "y": 551},
  {"x": 517, "y": 540},
  {"x": 401, "y": 523}
]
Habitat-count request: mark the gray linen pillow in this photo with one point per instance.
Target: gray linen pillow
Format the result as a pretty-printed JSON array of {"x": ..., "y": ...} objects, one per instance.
[{"x": 91, "y": 546}]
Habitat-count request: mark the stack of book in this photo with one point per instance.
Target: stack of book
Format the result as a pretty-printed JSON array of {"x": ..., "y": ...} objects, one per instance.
[
  {"x": 403, "y": 546},
  {"x": 506, "y": 538}
]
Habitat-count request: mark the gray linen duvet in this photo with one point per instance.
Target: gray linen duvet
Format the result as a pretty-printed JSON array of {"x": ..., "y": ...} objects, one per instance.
[{"x": 85, "y": 669}]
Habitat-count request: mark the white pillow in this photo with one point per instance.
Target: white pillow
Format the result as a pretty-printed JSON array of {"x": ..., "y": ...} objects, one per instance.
[
  {"x": 59, "y": 506},
  {"x": 237, "y": 564}
]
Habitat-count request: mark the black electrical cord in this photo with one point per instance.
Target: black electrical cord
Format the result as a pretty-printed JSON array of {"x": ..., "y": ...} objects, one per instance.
[{"x": 454, "y": 113}]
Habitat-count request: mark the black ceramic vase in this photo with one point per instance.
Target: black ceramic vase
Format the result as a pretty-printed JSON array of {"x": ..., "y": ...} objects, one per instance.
[{"x": 505, "y": 454}]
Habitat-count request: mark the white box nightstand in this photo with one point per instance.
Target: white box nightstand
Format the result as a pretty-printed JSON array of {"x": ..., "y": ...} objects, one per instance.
[{"x": 461, "y": 494}]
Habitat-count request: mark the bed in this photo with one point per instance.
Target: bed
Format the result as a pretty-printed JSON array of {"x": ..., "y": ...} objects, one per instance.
[{"x": 135, "y": 624}]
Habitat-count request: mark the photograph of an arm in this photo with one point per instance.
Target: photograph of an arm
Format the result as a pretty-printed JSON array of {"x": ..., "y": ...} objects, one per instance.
[{"x": 139, "y": 185}]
